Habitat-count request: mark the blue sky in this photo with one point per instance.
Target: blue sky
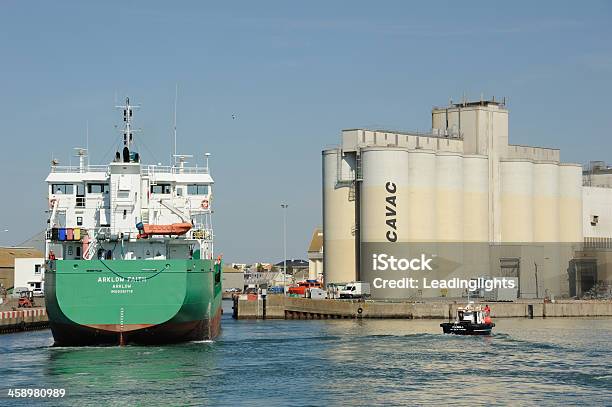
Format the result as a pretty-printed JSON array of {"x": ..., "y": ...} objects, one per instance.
[{"x": 295, "y": 74}]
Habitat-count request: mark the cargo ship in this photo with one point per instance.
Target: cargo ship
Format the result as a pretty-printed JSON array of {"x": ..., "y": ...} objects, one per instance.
[{"x": 129, "y": 250}]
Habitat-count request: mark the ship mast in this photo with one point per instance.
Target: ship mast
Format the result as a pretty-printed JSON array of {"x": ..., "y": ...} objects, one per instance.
[{"x": 128, "y": 133}]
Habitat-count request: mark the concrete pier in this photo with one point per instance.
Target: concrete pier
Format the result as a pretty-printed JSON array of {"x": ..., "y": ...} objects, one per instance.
[
  {"x": 281, "y": 307},
  {"x": 23, "y": 320}
]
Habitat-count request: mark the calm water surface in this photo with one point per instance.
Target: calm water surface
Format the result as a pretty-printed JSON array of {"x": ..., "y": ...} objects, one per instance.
[{"x": 328, "y": 362}]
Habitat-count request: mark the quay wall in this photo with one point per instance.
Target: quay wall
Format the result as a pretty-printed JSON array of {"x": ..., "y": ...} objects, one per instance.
[
  {"x": 23, "y": 320},
  {"x": 280, "y": 307}
]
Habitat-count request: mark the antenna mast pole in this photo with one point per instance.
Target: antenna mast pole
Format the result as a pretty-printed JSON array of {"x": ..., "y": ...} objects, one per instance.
[
  {"x": 87, "y": 140},
  {"x": 127, "y": 119},
  {"x": 175, "y": 102}
]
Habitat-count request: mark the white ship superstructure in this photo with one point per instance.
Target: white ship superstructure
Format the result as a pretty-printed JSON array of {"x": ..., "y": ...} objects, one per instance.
[{"x": 128, "y": 210}]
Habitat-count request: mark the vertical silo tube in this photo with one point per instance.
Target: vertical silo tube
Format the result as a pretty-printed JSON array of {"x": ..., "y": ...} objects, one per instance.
[
  {"x": 475, "y": 198},
  {"x": 570, "y": 203},
  {"x": 422, "y": 195},
  {"x": 338, "y": 217},
  {"x": 517, "y": 201},
  {"x": 449, "y": 197},
  {"x": 449, "y": 221},
  {"x": 571, "y": 233},
  {"x": 476, "y": 216},
  {"x": 546, "y": 202},
  {"x": 383, "y": 207},
  {"x": 384, "y": 201}
]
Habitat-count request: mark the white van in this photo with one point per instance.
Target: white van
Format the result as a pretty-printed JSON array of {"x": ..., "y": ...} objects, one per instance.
[
  {"x": 357, "y": 289},
  {"x": 37, "y": 288}
]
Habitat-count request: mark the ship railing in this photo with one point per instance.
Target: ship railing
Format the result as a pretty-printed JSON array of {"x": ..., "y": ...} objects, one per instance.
[
  {"x": 146, "y": 170},
  {"x": 190, "y": 170},
  {"x": 150, "y": 170},
  {"x": 78, "y": 169}
]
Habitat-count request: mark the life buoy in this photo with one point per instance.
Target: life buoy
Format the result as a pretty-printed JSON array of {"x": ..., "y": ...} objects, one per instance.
[{"x": 204, "y": 204}]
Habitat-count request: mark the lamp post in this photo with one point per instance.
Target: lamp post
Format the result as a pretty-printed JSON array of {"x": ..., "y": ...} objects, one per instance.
[{"x": 284, "y": 206}]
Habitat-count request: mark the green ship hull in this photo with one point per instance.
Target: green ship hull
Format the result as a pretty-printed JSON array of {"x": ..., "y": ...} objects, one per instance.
[{"x": 117, "y": 302}]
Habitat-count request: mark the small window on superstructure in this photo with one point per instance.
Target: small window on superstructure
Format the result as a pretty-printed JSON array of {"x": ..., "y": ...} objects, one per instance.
[
  {"x": 160, "y": 189},
  {"x": 61, "y": 188},
  {"x": 197, "y": 189},
  {"x": 97, "y": 188},
  {"x": 79, "y": 221}
]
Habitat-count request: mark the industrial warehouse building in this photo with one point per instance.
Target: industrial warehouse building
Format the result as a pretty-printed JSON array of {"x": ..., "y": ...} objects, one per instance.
[
  {"x": 8, "y": 257},
  {"x": 463, "y": 194}
]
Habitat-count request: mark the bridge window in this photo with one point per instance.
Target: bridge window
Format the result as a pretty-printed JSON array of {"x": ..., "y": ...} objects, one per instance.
[
  {"x": 197, "y": 189},
  {"x": 62, "y": 189},
  {"x": 160, "y": 189},
  {"x": 97, "y": 188}
]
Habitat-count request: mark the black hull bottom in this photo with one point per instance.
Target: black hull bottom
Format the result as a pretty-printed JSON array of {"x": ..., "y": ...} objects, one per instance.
[
  {"x": 466, "y": 328},
  {"x": 166, "y": 333}
]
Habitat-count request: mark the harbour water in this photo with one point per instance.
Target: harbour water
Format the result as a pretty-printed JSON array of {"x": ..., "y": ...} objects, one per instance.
[{"x": 327, "y": 362}]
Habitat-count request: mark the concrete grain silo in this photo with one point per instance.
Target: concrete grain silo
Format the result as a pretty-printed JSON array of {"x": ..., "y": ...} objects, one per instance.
[
  {"x": 462, "y": 190},
  {"x": 338, "y": 217}
]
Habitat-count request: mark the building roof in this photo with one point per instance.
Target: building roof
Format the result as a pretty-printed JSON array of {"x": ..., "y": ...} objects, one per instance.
[
  {"x": 9, "y": 254},
  {"x": 316, "y": 242},
  {"x": 293, "y": 263},
  {"x": 230, "y": 269}
]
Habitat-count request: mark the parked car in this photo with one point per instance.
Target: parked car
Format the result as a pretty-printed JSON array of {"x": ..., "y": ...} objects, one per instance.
[
  {"x": 38, "y": 292},
  {"x": 17, "y": 292},
  {"x": 276, "y": 290}
]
